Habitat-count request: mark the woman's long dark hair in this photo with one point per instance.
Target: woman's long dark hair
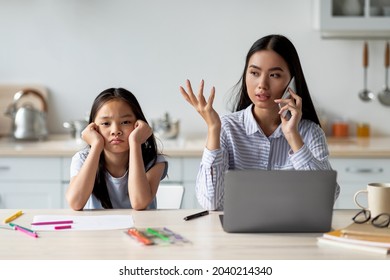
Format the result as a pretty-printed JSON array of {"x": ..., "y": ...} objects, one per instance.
[
  {"x": 282, "y": 46},
  {"x": 149, "y": 149}
]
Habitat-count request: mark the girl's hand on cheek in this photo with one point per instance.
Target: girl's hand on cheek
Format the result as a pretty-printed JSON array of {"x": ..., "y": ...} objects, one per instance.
[
  {"x": 142, "y": 131},
  {"x": 92, "y": 136}
]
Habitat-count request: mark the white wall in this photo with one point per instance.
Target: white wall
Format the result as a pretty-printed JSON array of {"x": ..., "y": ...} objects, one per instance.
[{"x": 77, "y": 48}]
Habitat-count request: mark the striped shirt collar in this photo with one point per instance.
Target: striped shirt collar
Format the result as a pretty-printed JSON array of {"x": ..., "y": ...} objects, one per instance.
[{"x": 251, "y": 125}]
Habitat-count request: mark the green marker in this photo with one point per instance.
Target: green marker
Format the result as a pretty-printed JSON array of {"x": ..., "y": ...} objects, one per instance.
[
  {"x": 14, "y": 225},
  {"x": 156, "y": 233}
]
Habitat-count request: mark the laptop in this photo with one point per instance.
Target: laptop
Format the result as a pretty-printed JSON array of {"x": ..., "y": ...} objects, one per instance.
[{"x": 278, "y": 201}]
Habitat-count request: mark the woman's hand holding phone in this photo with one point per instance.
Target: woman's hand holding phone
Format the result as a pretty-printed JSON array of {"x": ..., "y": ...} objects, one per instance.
[
  {"x": 286, "y": 95},
  {"x": 291, "y": 113}
]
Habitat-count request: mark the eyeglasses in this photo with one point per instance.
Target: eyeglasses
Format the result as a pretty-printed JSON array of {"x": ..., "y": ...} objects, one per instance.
[{"x": 380, "y": 221}]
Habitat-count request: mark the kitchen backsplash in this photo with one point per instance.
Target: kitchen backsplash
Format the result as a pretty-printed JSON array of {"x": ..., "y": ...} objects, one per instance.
[{"x": 77, "y": 50}]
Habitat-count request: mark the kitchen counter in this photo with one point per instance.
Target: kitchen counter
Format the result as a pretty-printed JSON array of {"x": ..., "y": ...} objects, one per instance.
[
  {"x": 65, "y": 146},
  {"x": 53, "y": 146},
  {"x": 352, "y": 147},
  {"x": 62, "y": 145}
]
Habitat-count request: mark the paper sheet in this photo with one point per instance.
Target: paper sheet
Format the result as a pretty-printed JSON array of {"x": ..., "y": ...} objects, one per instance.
[{"x": 101, "y": 222}]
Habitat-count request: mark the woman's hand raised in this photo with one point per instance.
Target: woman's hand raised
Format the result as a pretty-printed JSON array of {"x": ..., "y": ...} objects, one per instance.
[{"x": 205, "y": 109}]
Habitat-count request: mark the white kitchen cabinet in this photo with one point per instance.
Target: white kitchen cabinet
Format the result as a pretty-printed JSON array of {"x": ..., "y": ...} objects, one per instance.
[
  {"x": 30, "y": 183},
  {"x": 41, "y": 182},
  {"x": 352, "y": 18},
  {"x": 65, "y": 178},
  {"x": 354, "y": 174},
  {"x": 183, "y": 171},
  {"x": 34, "y": 195},
  {"x": 190, "y": 172}
]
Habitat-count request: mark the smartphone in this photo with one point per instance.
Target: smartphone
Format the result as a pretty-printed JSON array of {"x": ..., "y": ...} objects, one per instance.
[{"x": 286, "y": 95}]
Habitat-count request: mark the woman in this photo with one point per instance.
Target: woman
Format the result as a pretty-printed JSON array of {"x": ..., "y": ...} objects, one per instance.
[
  {"x": 121, "y": 167},
  {"x": 259, "y": 135}
]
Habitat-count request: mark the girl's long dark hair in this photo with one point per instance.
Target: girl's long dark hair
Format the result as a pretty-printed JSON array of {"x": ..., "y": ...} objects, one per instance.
[
  {"x": 282, "y": 46},
  {"x": 149, "y": 148}
]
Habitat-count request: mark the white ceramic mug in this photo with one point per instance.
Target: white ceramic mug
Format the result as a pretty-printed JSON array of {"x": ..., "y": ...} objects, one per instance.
[{"x": 378, "y": 198}]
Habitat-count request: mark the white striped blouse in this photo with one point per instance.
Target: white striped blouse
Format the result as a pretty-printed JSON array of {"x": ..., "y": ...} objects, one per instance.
[{"x": 244, "y": 146}]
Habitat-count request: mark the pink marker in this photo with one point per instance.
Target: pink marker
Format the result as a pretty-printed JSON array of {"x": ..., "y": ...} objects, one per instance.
[
  {"x": 52, "y": 223},
  {"x": 62, "y": 227},
  {"x": 32, "y": 234}
]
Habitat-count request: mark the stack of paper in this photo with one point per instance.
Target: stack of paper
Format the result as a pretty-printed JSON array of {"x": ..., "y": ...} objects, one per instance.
[{"x": 364, "y": 237}]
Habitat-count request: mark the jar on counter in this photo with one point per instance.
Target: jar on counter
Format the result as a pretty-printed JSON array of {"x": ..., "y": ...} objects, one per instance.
[
  {"x": 363, "y": 130},
  {"x": 340, "y": 129}
]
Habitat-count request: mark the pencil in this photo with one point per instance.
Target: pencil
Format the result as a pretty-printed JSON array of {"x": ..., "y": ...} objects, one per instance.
[{"x": 13, "y": 217}]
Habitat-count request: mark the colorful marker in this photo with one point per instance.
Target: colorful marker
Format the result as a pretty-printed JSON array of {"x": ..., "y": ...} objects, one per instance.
[
  {"x": 156, "y": 233},
  {"x": 32, "y": 234},
  {"x": 13, "y": 217},
  {"x": 51, "y": 223},
  {"x": 15, "y": 225},
  {"x": 62, "y": 227},
  {"x": 139, "y": 236},
  {"x": 177, "y": 237}
]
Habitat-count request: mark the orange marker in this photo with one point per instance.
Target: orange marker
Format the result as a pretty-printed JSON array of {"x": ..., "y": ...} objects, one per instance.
[{"x": 139, "y": 236}]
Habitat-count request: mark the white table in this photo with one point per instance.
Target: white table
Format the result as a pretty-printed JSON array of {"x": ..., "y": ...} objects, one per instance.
[{"x": 209, "y": 241}]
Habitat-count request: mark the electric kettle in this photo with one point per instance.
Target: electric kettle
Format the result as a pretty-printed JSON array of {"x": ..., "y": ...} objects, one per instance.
[{"x": 28, "y": 123}]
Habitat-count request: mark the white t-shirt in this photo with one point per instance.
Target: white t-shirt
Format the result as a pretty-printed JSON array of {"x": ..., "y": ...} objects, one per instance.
[{"x": 117, "y": 187}]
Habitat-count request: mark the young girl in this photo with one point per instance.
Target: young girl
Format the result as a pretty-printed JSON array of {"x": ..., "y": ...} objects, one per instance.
[
  {"x": 121, "y": 167},
  {"x": 258, "y": 135}
]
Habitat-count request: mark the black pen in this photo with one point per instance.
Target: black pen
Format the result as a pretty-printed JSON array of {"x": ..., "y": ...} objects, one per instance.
[{"x": 197, "y": 215}]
